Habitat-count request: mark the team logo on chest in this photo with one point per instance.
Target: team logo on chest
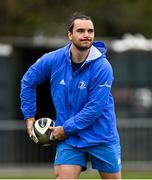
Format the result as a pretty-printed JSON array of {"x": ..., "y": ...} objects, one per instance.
[{"x": 82, "y": 85}]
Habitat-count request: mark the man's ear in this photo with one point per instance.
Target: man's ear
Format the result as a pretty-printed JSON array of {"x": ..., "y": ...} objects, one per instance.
[{"x": 69, "y": 35}]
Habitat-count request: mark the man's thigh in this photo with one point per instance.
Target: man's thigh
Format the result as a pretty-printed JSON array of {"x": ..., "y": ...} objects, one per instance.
[
  {"x": 67, "y": 171},
  {"x": 110, "y": 175}
]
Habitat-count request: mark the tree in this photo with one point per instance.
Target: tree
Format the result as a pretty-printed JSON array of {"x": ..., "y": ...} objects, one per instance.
[{"x": 112, "y": 18}]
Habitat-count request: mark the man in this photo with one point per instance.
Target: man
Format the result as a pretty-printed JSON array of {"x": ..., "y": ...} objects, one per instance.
[{"x": 81, "y": 80}]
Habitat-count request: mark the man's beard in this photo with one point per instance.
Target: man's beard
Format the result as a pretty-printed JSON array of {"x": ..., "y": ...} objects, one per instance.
[{"x": 82, "y": 48}]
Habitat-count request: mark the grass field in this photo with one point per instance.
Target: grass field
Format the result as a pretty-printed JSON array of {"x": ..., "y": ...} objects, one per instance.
[{"x": 29, "y": 173}]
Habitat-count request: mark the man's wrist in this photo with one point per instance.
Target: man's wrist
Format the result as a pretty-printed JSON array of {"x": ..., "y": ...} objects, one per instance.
[
  {"x": 31, "y": 119},
  {"x": 29, "y": 125}
]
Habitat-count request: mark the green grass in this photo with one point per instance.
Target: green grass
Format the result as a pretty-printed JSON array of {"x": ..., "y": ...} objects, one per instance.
[
  {"x": 48, "y": 174},
  {"x": 137, "y": 175}
]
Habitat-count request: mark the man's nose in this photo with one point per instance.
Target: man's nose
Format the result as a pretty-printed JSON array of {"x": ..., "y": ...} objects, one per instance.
[{"x": 86, "y": 34}]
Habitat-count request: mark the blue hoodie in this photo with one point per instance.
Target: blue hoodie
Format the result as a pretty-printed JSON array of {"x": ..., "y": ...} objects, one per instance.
[{"x": 82, "y": 99}]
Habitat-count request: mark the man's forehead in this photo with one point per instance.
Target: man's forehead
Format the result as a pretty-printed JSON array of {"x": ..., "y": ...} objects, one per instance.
[{"x": 83, "y": 23}]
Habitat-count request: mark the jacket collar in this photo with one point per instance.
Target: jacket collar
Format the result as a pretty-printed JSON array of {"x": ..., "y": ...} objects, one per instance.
[{"x": 97, "y": 50}]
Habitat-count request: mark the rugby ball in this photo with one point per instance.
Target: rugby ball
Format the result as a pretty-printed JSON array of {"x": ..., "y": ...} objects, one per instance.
[{"x": 41, "y": 134}]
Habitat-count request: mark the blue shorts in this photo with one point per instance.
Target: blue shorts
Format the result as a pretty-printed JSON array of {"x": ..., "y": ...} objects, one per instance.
[{"x": 104, "y": 158}]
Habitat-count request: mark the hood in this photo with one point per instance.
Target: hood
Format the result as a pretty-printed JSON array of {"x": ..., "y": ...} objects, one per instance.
[
  {"x": 101, "y": 47},
  {"x": 97, "y": 50}
]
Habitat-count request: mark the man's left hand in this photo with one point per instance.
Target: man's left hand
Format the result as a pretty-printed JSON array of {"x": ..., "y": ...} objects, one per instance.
[{"x": 58, "y": 132}]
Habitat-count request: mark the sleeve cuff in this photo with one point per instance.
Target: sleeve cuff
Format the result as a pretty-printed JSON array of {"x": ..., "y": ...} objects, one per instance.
[{"x": 69, "y": 127}]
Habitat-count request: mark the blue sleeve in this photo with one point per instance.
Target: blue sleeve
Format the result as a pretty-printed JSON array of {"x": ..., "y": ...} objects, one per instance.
[
  {"x": 99, "y": 90},
  {"x": 37, "y": 74}
]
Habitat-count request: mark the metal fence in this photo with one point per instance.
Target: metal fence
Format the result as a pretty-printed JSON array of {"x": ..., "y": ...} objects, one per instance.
[
  {"x": 136, "y": 138},
  {"x": 16, "y": 147}
]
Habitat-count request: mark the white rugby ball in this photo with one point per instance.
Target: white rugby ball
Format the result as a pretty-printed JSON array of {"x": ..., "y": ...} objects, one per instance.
[{"x": 41, "y": 134}]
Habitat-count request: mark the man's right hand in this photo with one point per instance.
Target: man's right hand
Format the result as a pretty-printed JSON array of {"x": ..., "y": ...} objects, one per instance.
[{"x": 29, "y": 125}]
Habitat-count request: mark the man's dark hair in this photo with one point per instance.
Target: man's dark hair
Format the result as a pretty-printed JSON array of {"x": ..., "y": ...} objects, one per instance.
[{"x": 75, "y": 16}]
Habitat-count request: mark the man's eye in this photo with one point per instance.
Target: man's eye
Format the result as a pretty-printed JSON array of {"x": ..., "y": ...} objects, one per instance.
[
  {"x": 90, "y": 31},
  {"x": 80, "y": 30}
]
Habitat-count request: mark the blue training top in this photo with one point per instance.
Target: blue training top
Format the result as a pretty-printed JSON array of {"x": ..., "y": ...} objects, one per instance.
[{"x": 82, "y": 98}]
